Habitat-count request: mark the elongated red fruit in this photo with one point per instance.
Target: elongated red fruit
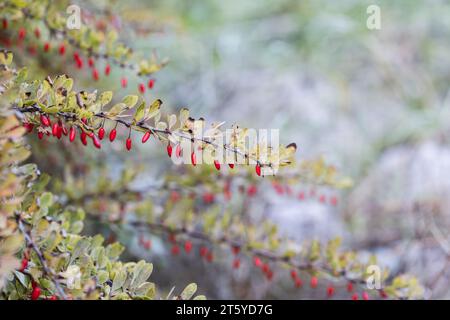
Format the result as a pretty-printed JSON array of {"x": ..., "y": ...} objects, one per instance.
[
  {"x": 314, "y": 282},
  {"x": 28, "y": 126},
  {"x": 101, "y": 133},
  {"x": 83, "y": 138},
  {"x": 62, "y": 49},
  {"x": 193, "y": 159},
  {"x": 124, "y": 82},
  {"x": 151, "y": 83},
  {"x": 169, "y": 150},
  {"x": 112, "y": 135},
  {"x": 72, "y": 134},
  {"x": 236, "y": 263},
  {"x": 96, "y": 142},
  {"x": 45, "y": 121},
  {"x": 40, "y": 135},
  {"x": 128, "y": 144},
  {"x": 55, "y": 129},
  {"x": 107, "y": 69},
  {"x": 258, "y": 169},
  {"x": 23, "y": 265},
  {"x": 365, "y": 295},
  {"x": 46, "y": 47},
  {"x": 146, "y": 136},
  {"x": 142, "y": 88},
  {"x": 178, "y": 150},
  {"x": 231, "y": 165},
  {"x": 5, "y": 23},
  {"x": 22, "y": 33},
  {"x": 37, "y": 33},
  {"x": 91, "y": 62},
  {"x": 64, "y": 130},
  {"x": 217, "y": 164},
  {"x": 188, "y": 246},
  {"x": 35, "y": 293},
  {"x": 95, "y": 75},
  {"x": 330, "y": 291}
]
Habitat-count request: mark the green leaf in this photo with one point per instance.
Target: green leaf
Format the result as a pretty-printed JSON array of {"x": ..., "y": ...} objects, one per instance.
[
  {"x": 105, "y": 97},
  {"x": 189, "y": 291},
  {"x": 130, "y": 101},
  {"x": 119, "y": 280}
]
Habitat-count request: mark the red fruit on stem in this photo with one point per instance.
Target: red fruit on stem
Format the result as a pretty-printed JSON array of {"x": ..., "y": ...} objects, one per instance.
[
  {"x": 46, "y": 47},
  {"x": 141, "y": 88},
  {"x": 355, "y": 296},
  {"x": 251, "y": 191},
  {"x": 40, "y": 135},
  {"x": 293, "y": 274},
  {"x": 37, "y": 33},
  {"x": 217, "y": 164},
  {"x": 128, "y": 144},
  {"x": 169, "y": 150},
  {"x": 53, "y": 297},
  {"x": 257, "y": 261},
  {"x": 298, "y": 282},
  {"x": 101, "y": 133},
  {"x": 188, "y": 246},
  {"x": 79, "y": 63},
  {"x": 96, "y": 142},
  {"x": 72, "y": 134},
  {"x": 231, "y": 165},
  {"x": 365, "y": 296},
  {"x": 45, "y": 121},
  {"x": 151, "y": 83},
  {"x": 193, "y": 159},
  {"x": 314, "y": 282},
  {"x": 235, "y": 250},
  {"x": 265, "y": 268},
  {"x": 5, "y": 24},
  {"x": 383, "y": 294},
  {"x": 62, "y": 49},
  {"x": 178, "y": 150},
  {"x": 203, "y": 251},
  {"x": 124, "y": 82},
  {"x": 258, "y": 169},
  {"x": 174, "y": 196},
  {"x": 175, "y": 250},
  {"x": 330, "y": 291},
  {"x": 35, "y": 293},
  {"x": 83, "y": 138},
  {"x": 95, "y": 75},
  {"x": 112, "y": 135},
  {"x": 349, "y": 287},
  {"x": 22, "y": 33},
  {"x": 236, "y": 263},
  {"x": 28, "y": 126},
  {"x": 322, "y": 199},
  {"x": 210, "y": 257},
  {"x": 55, "y": 129},
  {"x": 107, "y": 69},
  {"x": 23, "y": 265},
  {"x": 333, "y": 201},
  {"x": 208, "y": 197},
  {"x": 90, "y": 62},
  {"x": 64, "y": 130},
  {"x": 146, "y": 136}
]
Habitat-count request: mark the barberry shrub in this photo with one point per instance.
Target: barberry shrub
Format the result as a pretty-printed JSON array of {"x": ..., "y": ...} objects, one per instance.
[{"x": 195, "y": 209}]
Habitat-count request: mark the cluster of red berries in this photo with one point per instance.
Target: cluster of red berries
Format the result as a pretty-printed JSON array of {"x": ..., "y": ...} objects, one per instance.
[{"x": 265, "y": 268}]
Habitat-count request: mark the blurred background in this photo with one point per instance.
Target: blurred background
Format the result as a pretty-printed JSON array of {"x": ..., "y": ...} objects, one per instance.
[{"x": 374, "y": 103}]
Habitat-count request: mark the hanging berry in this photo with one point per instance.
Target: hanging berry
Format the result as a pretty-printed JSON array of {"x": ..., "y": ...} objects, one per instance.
[
  {"x": 62, "y": 49},
  {"x": 101, "y": 133},
  {"x": 175, "y": 250},
  {"x": 96, "y": 142},
  {"x": 95, "y": 74},
  {"x": 83, "y": 138},
  {"x": 258, "y": 169},
  {"x": 293, "y": 274},
  {"x": 45, "y": 121},
  {"x": 112, "y": 135},
  {"x": 55, "y": 129},
  {"x": 5, "y": 24},
  {"x": 23, "y": 265},
  {"x": 349, "y": 287},
  {"x": 236, "y": 263},
  {"x": 235, "y": 250},
  {"x": 107, "y": 69},
  {"x": 209, "y": 256},
  {"x": 203, "y": 251},
  {"x": 330, "y": 291},
  {"x": 37, "y": 33},
  {"x": 90, "y": 62},
  {"x": 298, "y": 282},
  {"x": 124, "y": 82},
  {"x": 178, "y": 150},
  {"x": 40, "y": 135},
  {"x": 188, "y": 246},
  {"x": 35, "y": 293},
  {"x": 257, "y": 262},
  {"x": 231, "y": 165},
  {"x": 169, "y": 150},
  {"x": 146, "y": 136},
  {"x": 22, "y": 33},
  {"x": 128, "y": 144},
  {"x": 365, "y": 295},
  {"x": 141, "y": 88},
  {"x": 151, "y": 83},
  {"x": 355, "y": 296},
  {"x": 313, "y": 282},
  {"x": 193, "y": 159},
  {"x": 217, "y": 164},
  {"x": 72, "y": 134},
  {"x": 46, "y": 47}
]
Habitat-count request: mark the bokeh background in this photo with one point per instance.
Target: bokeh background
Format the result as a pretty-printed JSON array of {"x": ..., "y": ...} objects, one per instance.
[{"x": 374, "y": 103}]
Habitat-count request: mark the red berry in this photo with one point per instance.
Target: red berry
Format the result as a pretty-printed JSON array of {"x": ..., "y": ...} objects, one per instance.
[
  {"x": 330, "y": 291},
  {"x": 142, "y": 88},
  {"x": 96, "y": 142},
  {"x": 293, "y": 274},
  {"x": 188, "y": 246},
  {"x": 72, "y": 134},
  {"x": 28, "y": 126},
  {"x": 217, "y": 164},
  {"x": 355, "y": 296},
  {"x": 95, "y": 75},
  {"x": 37, "y": 33},
  {"x": 203, "y": 251},
  {"x": 128, "y": 144},
  {"x": 265, "y": 268},
  {"x": 178, "y": 150},
  {"x": 151, "y": 83},
  {"x": 64, "y": 129},
  {"x": 383, "y": 294},
  {"x": 169, "y": 150},
  {"x": 251, "y": 191},
  {"x": 210, "y": 257},
  {"x": 83, "y": 138},
  {"x": 257, "y": 262},
  {"x": 22, "y": 33},
  {"x": 53, "y": 297},
  {"x": 79, "y": 63},
  {"x": 236, "y": 263},
  {"x": 174, "y": 196},
  {"x": 333, "y": 201},
  {"x": 112, "y": 135},
  {"x": 101, "y": 133},
  {"x": 235, "y": 250},
  {"x": 23, "y": 265},
  {"x": 298, "y": 282},
  {"x": 314, "y": 282},
  {"x": 208, "y": 197},
  {"x": 45, "y": 121},
  {"x": 146, "y": 136},
  {"x": 231, "y": 165},
  {"x": 269, "y": 275},
  {"x": 124, "y": 82},
  {"x": 55, "y": 129},
  {"x": 322, "y": 199},
  {"x": 40, "y": 135},
  {"x": 258, "y": 169},
  {"x": 175, "y": 250},
  {"x": 5, "y": 24},
  {"x": 193, "y": 159},
  {"x": 35, "y": 293},
  {"x": 46, "y": 47},
  {"x": 91, "y": 62},
  {"x": 62, "y": 49},
  {"x": 107, "y": 69},
  {"x": 365, "y": 295},
  {"x": 349, "y": 287}
]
